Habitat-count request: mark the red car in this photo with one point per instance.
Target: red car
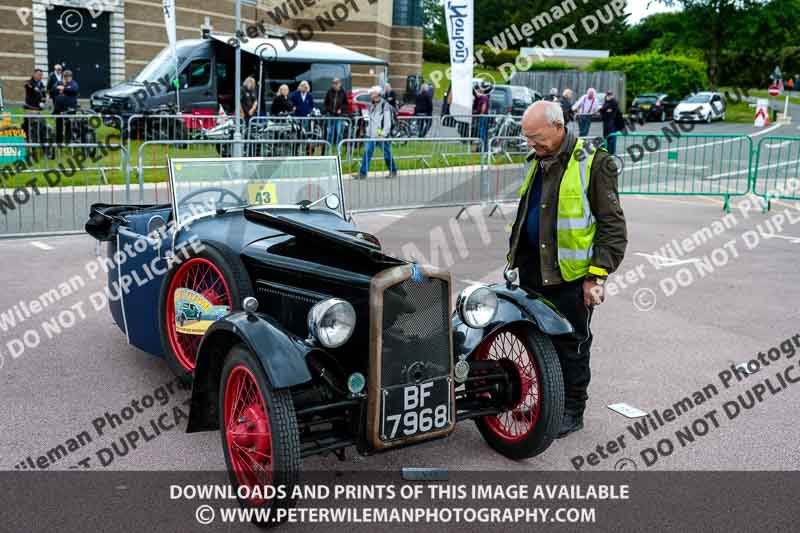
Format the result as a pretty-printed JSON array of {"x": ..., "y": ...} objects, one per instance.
[{"x": 359, "y": 99}]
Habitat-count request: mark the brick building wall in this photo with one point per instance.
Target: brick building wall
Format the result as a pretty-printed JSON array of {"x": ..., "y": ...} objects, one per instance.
[{"x": 136, "y": 33}]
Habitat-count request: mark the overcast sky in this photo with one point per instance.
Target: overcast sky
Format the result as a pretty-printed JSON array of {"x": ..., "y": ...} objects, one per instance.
[{"x": 639, "y": 9}]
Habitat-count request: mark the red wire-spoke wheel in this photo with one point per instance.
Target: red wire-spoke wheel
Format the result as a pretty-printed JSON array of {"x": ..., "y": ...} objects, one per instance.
[
  {"x": 203, "y": 277},
  {"x": 258, "y": 426},
  {"x": 247, "y": 431},
  {"x": 509, "y": 350},
  {"x": 219, "y": 276},
  {"x": 533, "y": 392}
]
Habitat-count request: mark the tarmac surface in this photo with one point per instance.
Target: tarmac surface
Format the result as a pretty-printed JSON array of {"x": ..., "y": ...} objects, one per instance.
[{"x": 671, "y": 326}]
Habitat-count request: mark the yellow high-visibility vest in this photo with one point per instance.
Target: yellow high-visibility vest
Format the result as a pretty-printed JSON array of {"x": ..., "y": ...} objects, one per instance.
[{"x": 575, "y": 225}]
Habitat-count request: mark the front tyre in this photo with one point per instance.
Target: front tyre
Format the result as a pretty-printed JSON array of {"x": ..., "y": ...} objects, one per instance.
[
  {"x": 260, "y": 438},
  {"x": 530, "y": 426}
]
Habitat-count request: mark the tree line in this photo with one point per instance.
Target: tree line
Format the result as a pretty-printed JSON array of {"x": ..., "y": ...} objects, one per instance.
[{"x": 739, "y": 41}]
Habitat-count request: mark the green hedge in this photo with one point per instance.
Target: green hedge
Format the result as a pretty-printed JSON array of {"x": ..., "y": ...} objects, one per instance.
[
  {"x": 673, "y": 74},
  {"x": 434, "y": 52}
]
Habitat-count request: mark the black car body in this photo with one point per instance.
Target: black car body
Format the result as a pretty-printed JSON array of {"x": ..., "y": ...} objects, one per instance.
[
  {"x": 277, "y": 374},
  {"x": 652, "y": 107},
  {"x": 511, "y": 99}
]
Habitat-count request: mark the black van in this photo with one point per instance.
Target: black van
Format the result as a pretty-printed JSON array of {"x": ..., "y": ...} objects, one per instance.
[{"x": 206, "y": 78}]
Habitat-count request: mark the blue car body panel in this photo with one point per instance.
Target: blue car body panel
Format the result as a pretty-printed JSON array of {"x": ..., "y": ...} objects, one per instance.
[{"x": 135, "y": 311}]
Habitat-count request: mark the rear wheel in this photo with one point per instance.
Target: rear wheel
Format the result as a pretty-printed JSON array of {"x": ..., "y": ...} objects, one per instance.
[
  {"x": 259, "y": 433},
  {"x": 534, "y": 418},
  {"x": 220, "y": 278}
]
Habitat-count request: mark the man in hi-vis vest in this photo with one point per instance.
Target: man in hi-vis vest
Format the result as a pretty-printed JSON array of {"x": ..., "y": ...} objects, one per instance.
[{"x": 568, "y": 236}]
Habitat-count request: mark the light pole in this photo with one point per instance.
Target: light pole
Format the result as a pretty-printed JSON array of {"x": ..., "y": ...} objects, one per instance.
[{"x": 237, "y": 106}]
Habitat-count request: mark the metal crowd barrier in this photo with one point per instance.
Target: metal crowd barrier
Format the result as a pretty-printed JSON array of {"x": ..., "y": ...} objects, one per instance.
[
  {"x": 684, "y": 164},
  {"x": 153, "y": 180},
  {"x": 175, "y": 128},
  {"x": 77, "y": 128},
  {"x": 458, "y": 183},
  {"x": 433, "y": 171},
  {"x": 506, "y": 170},
  {"x": 480, "y": 127},
  {"x": 776, "y": 171},
  {"x": 301, "y": 128},
  {"x": 55, "y": 197}
]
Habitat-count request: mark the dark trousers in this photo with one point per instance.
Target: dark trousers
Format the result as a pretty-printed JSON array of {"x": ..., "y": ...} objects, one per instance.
[
  {"x": 63, "y": 129},
  {"x": 573, "y": 348},
  {"x": 424, "y": 122},
  {"x": 584, "y": 124},
  {"x": 611, "y": 143}
]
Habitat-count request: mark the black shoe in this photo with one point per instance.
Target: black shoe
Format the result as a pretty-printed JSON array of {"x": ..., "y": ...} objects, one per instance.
[{"x": 572, "y": 422}]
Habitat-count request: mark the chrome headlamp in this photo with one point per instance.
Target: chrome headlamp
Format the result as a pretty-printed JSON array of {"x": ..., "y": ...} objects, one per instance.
[
  {"x": 477, "y": 305},
  {"x": 331, "y": 322}
]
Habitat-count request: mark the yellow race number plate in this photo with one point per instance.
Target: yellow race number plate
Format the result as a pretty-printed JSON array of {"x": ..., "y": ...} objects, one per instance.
[{"x": 262, "y": 193}]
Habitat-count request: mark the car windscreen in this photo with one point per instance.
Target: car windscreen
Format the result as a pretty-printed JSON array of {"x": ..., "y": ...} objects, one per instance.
[
  {"x": 204, "y": 185},
  {"x": 698, "y": 99},
  {"x": 644, "y": 100},
  {"x": 162, "y": 65}
]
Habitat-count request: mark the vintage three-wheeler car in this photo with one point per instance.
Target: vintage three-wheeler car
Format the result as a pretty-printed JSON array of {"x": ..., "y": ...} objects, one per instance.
[{"x": 301, "y": 336}]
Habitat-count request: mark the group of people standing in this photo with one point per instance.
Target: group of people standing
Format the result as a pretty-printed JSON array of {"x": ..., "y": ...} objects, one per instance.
[
  {"x": 62, "y": 90},
  {"x": 298, "y": 103},
  {"x": 586, "y": 107}
]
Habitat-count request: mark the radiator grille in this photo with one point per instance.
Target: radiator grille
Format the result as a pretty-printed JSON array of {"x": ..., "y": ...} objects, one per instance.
[{"x": 415, "y": 331}]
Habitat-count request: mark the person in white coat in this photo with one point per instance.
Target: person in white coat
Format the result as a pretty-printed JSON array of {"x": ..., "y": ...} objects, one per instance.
[
  {"x": 586, "y": 106},
  {"x": 380, "y": 126}
]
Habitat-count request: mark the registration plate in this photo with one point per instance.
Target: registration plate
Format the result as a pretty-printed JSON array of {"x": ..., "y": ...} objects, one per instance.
[{"x": 418, "y": 408}]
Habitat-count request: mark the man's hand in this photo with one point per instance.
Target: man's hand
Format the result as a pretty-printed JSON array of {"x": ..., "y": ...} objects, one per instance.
[{"x": 593, "y": 294}]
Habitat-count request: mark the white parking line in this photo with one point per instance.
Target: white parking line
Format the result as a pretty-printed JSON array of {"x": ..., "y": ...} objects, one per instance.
[
  {"x": 667, "y": 261},
  {"x": 775, "y": 165},
  {"x": 41, "y": 245},
  {"x": 773, "y": 146},
  {"x": 793, "y": 240},
  {"x": 677, "y": 199}
]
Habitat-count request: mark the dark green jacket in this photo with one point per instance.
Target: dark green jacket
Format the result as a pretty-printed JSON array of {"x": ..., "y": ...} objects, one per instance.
[{"x": 611, "y": 238}]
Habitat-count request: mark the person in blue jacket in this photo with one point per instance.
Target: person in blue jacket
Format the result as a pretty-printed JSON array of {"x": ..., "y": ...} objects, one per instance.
[{"x": 302, "y": 100}]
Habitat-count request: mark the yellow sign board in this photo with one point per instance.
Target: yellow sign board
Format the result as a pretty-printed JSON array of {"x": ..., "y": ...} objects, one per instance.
[{"x": 262, "y": 193}]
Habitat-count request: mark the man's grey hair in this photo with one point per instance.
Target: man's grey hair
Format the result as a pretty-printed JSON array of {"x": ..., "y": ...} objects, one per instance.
[{"x": 553, "y": 113}]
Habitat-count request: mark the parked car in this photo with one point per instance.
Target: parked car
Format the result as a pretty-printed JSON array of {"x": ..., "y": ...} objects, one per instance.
[
  {"x": 327, "y": 342},
  {"x": 358, "y": 102},
  {"x": 701, "y": 107},
  {"x": 652, "y": 107},
  {"x": 511, "y": 99}
]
